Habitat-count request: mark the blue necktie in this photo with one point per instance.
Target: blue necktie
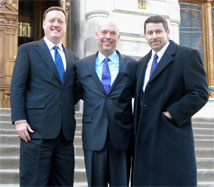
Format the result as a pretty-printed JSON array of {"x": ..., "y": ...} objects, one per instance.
[
  {"x": 59, "y": 64},
  {"x": 154, "y": 64},
  {"x": 106, "y": 76}
]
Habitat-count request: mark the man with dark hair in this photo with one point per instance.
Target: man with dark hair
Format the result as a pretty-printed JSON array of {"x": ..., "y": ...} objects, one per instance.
[
  {"x": 171, "y": 88},
  {"x": 42, "y": 103}
]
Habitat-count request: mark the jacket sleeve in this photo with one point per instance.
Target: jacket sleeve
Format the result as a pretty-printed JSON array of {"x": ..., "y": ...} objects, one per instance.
[
  {"x": 19, "y": 84},
  {"x": 196, "y": 92}
]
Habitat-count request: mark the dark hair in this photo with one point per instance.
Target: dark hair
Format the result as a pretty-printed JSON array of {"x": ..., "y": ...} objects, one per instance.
[
  {"x": 58, "y": 8},
  {"x": 156, "y": 19}
]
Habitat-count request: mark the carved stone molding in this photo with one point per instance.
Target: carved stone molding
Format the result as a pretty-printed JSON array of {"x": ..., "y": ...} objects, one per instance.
[
  {"x": 3, "y": 3},
  {"x": 8, "y": 20}
]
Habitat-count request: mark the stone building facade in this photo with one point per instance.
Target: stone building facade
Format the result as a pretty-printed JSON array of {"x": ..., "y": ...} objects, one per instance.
[{"x": 21, "y": 21}]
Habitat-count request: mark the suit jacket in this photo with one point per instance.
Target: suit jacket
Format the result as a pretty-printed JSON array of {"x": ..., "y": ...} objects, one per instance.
[
  {"x": 112, "y": 111},
  {"x": 164, "y": 149},
  {"x": 38, "y": 95}
]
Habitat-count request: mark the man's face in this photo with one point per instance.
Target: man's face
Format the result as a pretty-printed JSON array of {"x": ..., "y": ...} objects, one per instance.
[
  {"x": 54, "y": 26},
  {"x": 156, "y": 36},
  {"x": 107, "y": 36}
]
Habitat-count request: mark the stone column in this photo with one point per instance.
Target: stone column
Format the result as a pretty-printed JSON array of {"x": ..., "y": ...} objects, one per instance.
[{"x": 95, "y": 12}]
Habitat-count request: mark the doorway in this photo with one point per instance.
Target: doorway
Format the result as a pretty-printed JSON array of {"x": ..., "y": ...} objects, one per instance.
[{"x": 30, "y": 19}]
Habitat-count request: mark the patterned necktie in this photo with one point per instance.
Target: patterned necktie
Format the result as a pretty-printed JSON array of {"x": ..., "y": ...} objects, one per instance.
[
  {"x": 59, "y": 64},
  {"x": 154, "y": 64},
  {"x": 106, "y": 76}
]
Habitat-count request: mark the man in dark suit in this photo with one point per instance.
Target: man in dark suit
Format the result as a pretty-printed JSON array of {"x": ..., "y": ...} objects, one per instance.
[
  {"x": 107, "y": 79},
  {"x": 166, "y": 98},
  {"x": 42, "y": 103}
]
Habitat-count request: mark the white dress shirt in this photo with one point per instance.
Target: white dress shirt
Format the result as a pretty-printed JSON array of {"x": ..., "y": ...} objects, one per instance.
[
  {"x": 60, "y": 50},
  {"x": 149, "y": 65}
]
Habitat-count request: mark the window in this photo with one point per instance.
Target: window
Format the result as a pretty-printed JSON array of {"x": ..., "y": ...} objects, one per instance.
[
  {"x": 191, "y": 26},
  {"x": 196, "y": 31}
]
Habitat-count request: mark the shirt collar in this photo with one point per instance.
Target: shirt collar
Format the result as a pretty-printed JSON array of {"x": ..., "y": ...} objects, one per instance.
[
  {"x": 113, "y": 57},
  {"x": 161, "y": 52},
  {"x": 51, "y": 45}
]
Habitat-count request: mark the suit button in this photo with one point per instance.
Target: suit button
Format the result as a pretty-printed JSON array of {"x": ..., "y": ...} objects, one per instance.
[
  {"x": 60, "y": 103},
  {"x": 145, "y": 105}
]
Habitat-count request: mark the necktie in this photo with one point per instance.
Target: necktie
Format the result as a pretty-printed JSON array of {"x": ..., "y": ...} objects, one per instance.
[
  {"x": 106, "y": 76},
  {"x": 59, "y": 64},
  {"x": 154, "y": 64}
]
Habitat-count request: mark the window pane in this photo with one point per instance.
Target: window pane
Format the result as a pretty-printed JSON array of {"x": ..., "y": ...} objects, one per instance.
[{"x": 191, "y": 28}]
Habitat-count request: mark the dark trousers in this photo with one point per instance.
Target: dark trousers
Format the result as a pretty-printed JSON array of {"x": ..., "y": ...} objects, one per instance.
[
  {"x": 47, "y": 162},
  {"x": 108, "y": 166}
]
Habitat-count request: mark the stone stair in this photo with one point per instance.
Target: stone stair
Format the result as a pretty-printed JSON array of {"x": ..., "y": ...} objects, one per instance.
[
  {"x": 203, "y": 129},
  {"x": 9, "y": 153}
]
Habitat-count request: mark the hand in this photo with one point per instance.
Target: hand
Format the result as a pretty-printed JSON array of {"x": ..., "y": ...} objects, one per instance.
[
  {"x": 167, "y": 114},
  {"x": 22, "y": 130}
]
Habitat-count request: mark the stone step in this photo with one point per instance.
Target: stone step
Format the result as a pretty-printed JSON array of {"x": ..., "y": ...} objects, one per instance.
[
  {"x": 205, "y": 175},
  {"x": 197, "y": 124},
  {"x": 203, "y": 119},
  {"x": 5, "y": 111},
  {"x": 78, "y": 114},
  {"x": 76, "y": 184},
  {"x": 78, "y": 133},
  {"x": 207, "y": 163},
  {"x": 203, "y": 184},
  {"x": 9, "y": 140},
  {"x": 204, "y": 131},
  {"x": 5, "y": 117},
  {"x": 78, "y": 140},
  {"x": 6, "y": 125},
  {"x": 204, "y": 152},
  {"x": 11, "y": 176},
  {"x": 204, "y": 143},
  {"x": 8, "y": 132},
  {"x": 8, "y": 111},
  {"x": 13, "y": 139},
  {"x": 8, "y": 150},
  {"x": 12, "y": 162},
  {"x": 202, "y": 136},
  {"x": 78, "y": 150}
]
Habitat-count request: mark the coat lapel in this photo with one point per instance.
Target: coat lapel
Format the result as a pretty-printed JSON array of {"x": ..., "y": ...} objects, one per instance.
[
  {"x": 91, "y": 67},
  {"x": 45, "y": 54},
  {"x": 141, "y": 71},
  {"x": 68, "y": 63},
  {"x": 166, "y": 59},
  {"x": 121, "y": 72}
]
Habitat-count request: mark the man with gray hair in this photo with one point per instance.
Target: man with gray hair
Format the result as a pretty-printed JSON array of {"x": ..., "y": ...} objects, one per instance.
[{"x": 107, "y": 79}]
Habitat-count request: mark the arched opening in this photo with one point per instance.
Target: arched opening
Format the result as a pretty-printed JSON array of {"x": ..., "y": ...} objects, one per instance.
[{"x": 30, "y": 19}]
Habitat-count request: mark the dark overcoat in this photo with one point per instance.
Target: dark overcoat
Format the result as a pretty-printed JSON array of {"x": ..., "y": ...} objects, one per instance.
[{"x": 164, "y": 148}]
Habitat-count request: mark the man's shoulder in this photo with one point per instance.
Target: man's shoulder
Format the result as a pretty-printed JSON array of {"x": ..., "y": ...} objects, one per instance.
[
  {"x": 129, "y": 59},
  {"x": 70, "y": 52},
  {"x": 182, "y": 48},
  {"x": 29, "y": 44},
  {"x": 87, "y": 59}
]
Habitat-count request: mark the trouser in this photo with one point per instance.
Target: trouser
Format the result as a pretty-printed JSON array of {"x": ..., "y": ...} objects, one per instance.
[
  {"x": 45, "y": 162},
  {"x": 108, "y": 166}
]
